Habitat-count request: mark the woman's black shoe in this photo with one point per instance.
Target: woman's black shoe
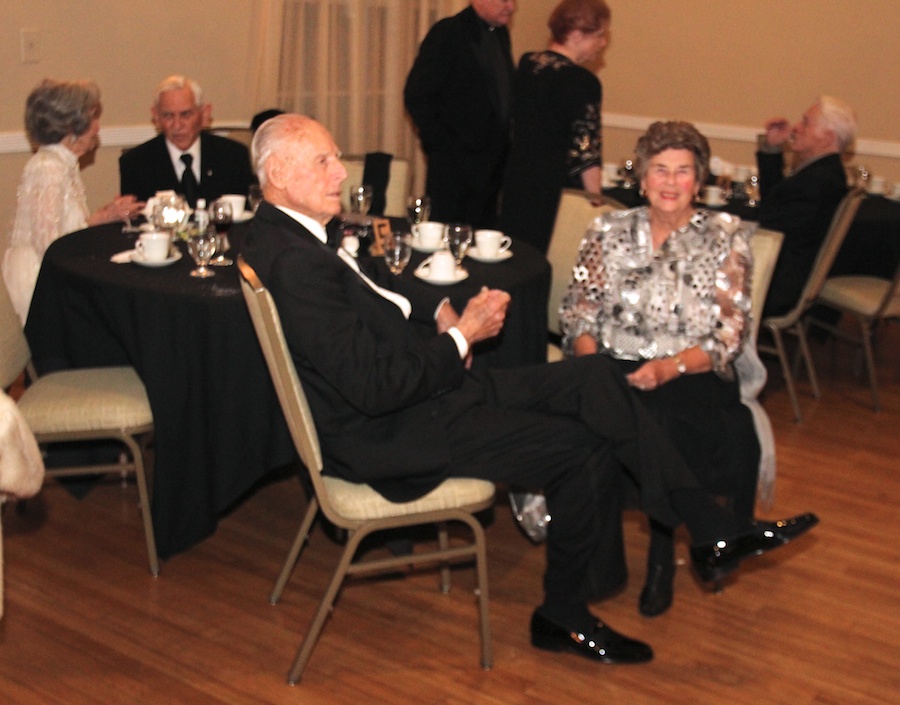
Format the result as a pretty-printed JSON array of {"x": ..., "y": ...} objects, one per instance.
[
  {"x": 656, "y": 597},
  {"x": 716, "y": 560},
  {"x": 602, "y": 643}
]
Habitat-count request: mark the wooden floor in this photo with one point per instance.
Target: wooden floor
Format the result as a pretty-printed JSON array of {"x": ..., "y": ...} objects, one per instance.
[{"x": 817, "y": 622}]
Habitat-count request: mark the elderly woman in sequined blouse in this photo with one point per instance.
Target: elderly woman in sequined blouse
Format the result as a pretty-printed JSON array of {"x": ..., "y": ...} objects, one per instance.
[
  {"x": 664, "y": 290},
  {"x": 62, "y": 120}
]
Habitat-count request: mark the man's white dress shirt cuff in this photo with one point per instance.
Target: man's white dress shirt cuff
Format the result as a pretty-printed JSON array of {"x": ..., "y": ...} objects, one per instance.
[{"x": 461, "y": 343}]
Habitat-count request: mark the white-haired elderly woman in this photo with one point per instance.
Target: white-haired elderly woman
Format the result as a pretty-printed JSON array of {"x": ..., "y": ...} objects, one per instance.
[
  {"x": 62, "y": 120},
  {"x": 664, "y": 290}
]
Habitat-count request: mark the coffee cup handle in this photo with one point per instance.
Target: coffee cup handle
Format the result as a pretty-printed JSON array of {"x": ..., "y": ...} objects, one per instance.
[
  {"x": 505, "y": 243},
  {"x": 423, "y": 269},
  {"x": 415, "y": 230}
]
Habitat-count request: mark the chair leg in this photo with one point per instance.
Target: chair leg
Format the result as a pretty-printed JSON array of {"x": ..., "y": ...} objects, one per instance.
[
  {"x": 807, "y": 358},
  {"x": 315, "y": 628},
  {"x": 293, "y": 554},
  {"x": 481, "y": 576},
  {"x": 443, "y": 544},
  {"x": 866, "y": 332},
  {"x": 786, "y": 372},
  {"x": 138, "y": 456}
]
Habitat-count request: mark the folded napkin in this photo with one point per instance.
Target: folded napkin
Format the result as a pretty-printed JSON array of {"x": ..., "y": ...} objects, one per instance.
[{"x": 122, "y": 257}]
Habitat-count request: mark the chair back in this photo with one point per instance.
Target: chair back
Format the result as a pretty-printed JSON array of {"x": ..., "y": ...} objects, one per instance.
[
  {"x": 291, "y": 396},
  {"x": 834, "y": 238},
  {"x": 14, "y": 352},
  {"x": 397, "y": 188},
  {"x": 765, "y": 244},
  {"x": 574, "y": 216}
]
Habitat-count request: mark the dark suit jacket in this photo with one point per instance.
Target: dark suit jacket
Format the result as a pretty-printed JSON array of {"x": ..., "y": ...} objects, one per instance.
[
  {"x": 372, "y": 382},
  {"x": 224, "y": 168},
  {"x": 801, "y": 206},
  {"x": 452, "y": 96}
]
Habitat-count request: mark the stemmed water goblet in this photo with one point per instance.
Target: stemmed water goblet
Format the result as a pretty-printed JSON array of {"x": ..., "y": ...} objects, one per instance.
[
  {"x": 418, "y": 209},
  {"x": 169, "y": 214},
  {"x": 458, "y": 237},
  {"x": 397, "y": 251},
  {"x": 360, "y": 199},
  {"x": 220, "y": 218},
  {"x": 202, "y": 246}
]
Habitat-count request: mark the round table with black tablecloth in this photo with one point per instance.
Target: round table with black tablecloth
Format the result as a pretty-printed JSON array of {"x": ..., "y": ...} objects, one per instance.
[{"x": 218, "y": 426}]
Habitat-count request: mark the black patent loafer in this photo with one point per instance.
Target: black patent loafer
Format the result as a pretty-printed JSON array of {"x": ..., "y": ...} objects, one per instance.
[
  {"x": 716, "y": 560},
  {"x": 601, "y": 644}
]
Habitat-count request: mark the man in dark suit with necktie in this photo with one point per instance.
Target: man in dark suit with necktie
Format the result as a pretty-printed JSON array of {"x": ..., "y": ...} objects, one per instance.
[
  {"x": 183, "y": 158},
  {"x": 398, "y": 409},
  {"x": 458, "y": 94},
  {"x": 802, "y": 204}
]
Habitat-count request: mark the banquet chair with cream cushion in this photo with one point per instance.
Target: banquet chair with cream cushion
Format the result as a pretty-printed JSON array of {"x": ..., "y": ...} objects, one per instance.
[
  {"x": 108, "y": 403},
  {"x": 574, "y": 215},
  {"x": 871, "y": 300},
  {"x": 356, "y": 508},
  {"x": 792, "y": 321}
]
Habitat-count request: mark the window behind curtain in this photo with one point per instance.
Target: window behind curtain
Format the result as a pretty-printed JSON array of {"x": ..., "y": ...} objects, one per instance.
[{"x": 344, "y": 62}]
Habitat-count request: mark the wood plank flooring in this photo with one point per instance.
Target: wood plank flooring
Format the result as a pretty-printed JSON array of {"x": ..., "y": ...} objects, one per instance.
[{"x": 817, "y": 623}]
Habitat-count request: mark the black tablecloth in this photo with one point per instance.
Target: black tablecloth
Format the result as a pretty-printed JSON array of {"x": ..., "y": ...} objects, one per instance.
[
  {"x": 872, "y": 246},
  {"x": 219, "y": 428}
]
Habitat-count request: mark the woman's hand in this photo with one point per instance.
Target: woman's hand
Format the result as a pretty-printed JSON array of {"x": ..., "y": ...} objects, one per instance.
[
  {"x": 653, "y": 374},
  {"x": 122, "y": 208},
  {"x": 584, "y": 345}
]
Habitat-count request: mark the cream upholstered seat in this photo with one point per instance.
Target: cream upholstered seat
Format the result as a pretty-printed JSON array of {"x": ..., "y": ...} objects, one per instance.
[
  {"x": 792, "y": 321},
  {"x": 871, "y": 300},
  {"x": 108, "y": 403},
  {"x": 357, "y": 508},
  {"x": 574, "y": 215},
  {"x": 397, "y": 188}
]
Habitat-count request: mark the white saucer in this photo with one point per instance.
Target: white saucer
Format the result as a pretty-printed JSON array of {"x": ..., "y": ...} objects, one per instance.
[
  {"x": 474, "y": 254},
  {"x": 241, "y": 217},
  {"x": 138, "y": 258},
  {"x": 461, "y": 275},
  {"x": 419, "y": 247},
  {"x": 714, "y": 204}
]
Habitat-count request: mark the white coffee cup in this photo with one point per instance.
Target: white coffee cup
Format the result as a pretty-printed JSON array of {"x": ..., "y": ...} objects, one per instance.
[
  {"x": 154, "y": 246},
  {"x": 491, "y": 243},
  {"x": 713, "y": 195},
  {"x": 441, "y": 266},
  {"x": 429, "y": 234},
  {"x": 237, "y": 202}
]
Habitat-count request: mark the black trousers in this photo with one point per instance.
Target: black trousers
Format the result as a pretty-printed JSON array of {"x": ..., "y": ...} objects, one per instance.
[{"x": 567, "y": 428}]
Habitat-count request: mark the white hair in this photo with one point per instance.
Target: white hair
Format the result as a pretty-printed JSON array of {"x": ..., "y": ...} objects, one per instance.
[
  {"x": 274, "y": 136},
  {"x": 177, "y": 82},
  {"x": 838, "y": 116}
]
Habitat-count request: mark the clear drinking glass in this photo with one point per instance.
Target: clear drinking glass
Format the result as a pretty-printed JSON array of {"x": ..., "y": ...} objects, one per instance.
[
  {"x": 170, "y": 214},
  {"x": 202, "y": 246},
  {"x": 458, "y": 237},
  {"x": 397, "y": 251},
  {"x": 220, "y": 218},
  {"x": 418, "y": 209},
  {"x": 360, "y": 199}
]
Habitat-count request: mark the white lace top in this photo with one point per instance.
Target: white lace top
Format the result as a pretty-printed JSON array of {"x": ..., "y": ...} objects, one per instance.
[
  {"x": 638, "y": 303},
  {"x": 50, "y": 202}
]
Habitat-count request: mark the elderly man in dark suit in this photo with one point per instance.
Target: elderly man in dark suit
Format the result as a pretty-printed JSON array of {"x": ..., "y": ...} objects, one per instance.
[
  {"x": 183, "y": 158},
  {"x": 458, "y": 94},
  {"x": 802, "y": 204},
  {"x": 398, "y": 410}
]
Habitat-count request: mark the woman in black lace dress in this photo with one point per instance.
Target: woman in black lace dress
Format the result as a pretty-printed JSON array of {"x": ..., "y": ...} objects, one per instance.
[{"x": 556, "y": 122}]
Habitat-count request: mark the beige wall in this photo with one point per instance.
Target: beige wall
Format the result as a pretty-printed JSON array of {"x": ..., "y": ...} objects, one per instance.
[{"x": 727, "y": 66}]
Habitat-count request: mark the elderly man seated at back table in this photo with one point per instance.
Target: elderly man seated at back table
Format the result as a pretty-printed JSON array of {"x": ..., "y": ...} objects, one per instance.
[
  {"x": 400, "y": 412},
  {"x": 183, "y": 158},
  {"x": 802, "y": 204}
]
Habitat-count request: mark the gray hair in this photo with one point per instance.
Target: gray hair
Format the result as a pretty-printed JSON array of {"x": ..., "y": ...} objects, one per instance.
[
  {"x": 177, "y": 82},
  {"x": 56, "y": 109},
  {"x": 838, "y": 116}
]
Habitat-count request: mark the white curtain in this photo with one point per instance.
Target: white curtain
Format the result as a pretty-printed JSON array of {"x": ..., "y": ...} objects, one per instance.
[{"x": 344, "y": 62}]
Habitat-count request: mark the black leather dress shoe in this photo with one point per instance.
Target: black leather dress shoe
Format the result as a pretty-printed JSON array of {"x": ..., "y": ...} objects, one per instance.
[
  {"x": 602, "y": 644},
  {"x": 656, "y": 597},
  {"x": 716, "y": 560}
]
